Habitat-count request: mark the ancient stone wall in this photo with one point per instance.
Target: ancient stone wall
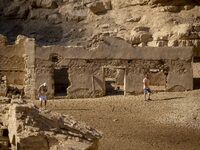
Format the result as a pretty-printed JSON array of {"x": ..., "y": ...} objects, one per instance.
[
  {"x": 17, "y": 62},
  {"x": 81, "y": 72},
  {"x": 12, "y": 62},
  {"x": 29, "y": 79},
  {"x": 86, "y": 74}
]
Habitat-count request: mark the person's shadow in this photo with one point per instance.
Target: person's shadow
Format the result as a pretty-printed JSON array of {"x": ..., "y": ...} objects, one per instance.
[{"x": 166, "y": 99}]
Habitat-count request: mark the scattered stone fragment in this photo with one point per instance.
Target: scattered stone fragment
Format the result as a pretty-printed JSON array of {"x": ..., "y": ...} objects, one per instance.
[{"x": 45, "y": 130}]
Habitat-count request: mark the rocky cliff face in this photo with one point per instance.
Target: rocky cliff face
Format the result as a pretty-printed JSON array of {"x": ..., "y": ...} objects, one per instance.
[{"x": 85, "y": 22}]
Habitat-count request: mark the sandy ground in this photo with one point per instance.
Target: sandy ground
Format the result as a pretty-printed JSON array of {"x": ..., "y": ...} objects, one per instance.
[{"x": 171, "y": 121}]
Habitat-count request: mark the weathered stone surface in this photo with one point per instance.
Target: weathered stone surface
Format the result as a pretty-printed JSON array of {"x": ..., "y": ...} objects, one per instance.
[
  {"x": 134, "y": 19},
  {"x": 72, "y": 12},
  {"x": 173, "y": 9},
  {"x": 11, "y": 10},
  {"x": 39, "y": 13},
  {"x": 141, "y": 28},
  {"x": 127, "y": 3},
  {"x": 197, "y": 27},
  {"x": 31, "y": 129},
  {"x": 46, "y": 3},
  {"x": 54, "y": 18},
  {"x": 182, "y": 31},
  {"x": 173, "y": 43},
  {"x": 120, "y": 77},
  {"x": 140, "y": 36},
  {"x": 107, "y": 4},
  {"x": 58, "y": 21},
  {"x": 3, "y": 40},
  {"x": 97, "y": 7},
  {"x": 188, "y": 7},
  {"x": 161, "y": 36}
]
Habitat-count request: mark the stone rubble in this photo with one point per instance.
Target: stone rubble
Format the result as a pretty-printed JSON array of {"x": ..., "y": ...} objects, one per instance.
[{"x": 32, "y": 128}]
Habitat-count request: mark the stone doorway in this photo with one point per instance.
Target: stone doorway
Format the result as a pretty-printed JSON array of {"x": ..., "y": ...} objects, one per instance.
[
  {"x": 4, "y": 139},
  {"x": 114, "y": 80},
  {"x": 158, "y": 80},
  {"x": 61, "y": 82}
]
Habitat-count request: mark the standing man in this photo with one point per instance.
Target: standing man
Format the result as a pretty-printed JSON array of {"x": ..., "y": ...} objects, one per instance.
[
  {"x": 42, "y": 94},
  {"x": 146, "y": 87}
]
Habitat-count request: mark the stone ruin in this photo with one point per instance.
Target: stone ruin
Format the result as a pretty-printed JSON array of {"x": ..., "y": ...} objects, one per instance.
[
  {"x": 111, "y": 66},
  {"x": 24, "y": 127}
]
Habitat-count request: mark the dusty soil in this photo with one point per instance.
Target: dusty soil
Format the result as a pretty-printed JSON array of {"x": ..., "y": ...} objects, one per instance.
[{"x": 171, "y": 121}]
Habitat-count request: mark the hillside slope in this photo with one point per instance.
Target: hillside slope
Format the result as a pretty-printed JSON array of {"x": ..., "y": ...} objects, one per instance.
[{"x": 85, "y": 22}]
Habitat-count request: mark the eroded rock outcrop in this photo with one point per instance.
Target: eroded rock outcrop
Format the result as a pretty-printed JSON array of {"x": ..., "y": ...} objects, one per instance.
[
  {"x": 31, "y": 129},
  {"x": 70, "y": 22}
]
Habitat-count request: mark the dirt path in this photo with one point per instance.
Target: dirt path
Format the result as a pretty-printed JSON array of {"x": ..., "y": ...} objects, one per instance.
[{"x": 171, "y": 121}]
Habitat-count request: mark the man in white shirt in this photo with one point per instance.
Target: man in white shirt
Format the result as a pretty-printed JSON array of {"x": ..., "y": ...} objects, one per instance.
[
  {"x": 146, "y": 87},
  {"x": 42, "y": 94}
]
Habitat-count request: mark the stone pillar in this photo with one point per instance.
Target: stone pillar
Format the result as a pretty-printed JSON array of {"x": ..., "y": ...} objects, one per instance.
[{"x": 29, "y": 57}]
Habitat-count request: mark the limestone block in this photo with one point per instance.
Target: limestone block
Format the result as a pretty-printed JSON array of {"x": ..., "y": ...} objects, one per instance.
[
  {"x": 173, "y": 43},
  {"x": 107, "y": 4},
  {"x": 85, "y": 2},
  {"x": 3, "y": 40},
  {"x": 182, "y": 43},
  {"x": 23, "y": 11},
  {"x": 31, "y": 129},
  {"x": 3, "y": 89},
  {"x": 17, "y": 10},
  {"x": 142, "y": 44},
  {"x": 161, "y": 43},
  {"x": 182, "y": 31},
  {"x": 46, "y": 3},
  {"x": 197, "y": 27},
  {"x": 39, "y": 13},
  {"x": 97, "y": 7},
  {"x": 124, "y": 35},
  {"x": 194, "y": 35},
  {"x": 134, "y": 19},
  {"x": 141, "y": 36},
  {"x": 135, "y": 39},
  {"x": 71, "y": 13},
  {"x": 54, "y": 18},
  {"x": 173, "y": 9},
  {"x": 185, "y": 43},
  {"x": 126, "y": 3},
  {"x": 188, "y": 7},
  {"x": 160, "y": 36},
  {"x": 11, "y": 10},
  {"x": 145, "y": 37},
  {"x": 141, "y": 28},
  {"x": 153, "y": 2},
  {"x": 157, "y": 43},
  {"x": 4, "y": 111},
  {"x": 189, "y": 43},
  {"x": 104, "y": 26},
  {"x": 30, "y": 142},
  {"x": 20, "y": 39},
  {"x": 196, "y": 43}
]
